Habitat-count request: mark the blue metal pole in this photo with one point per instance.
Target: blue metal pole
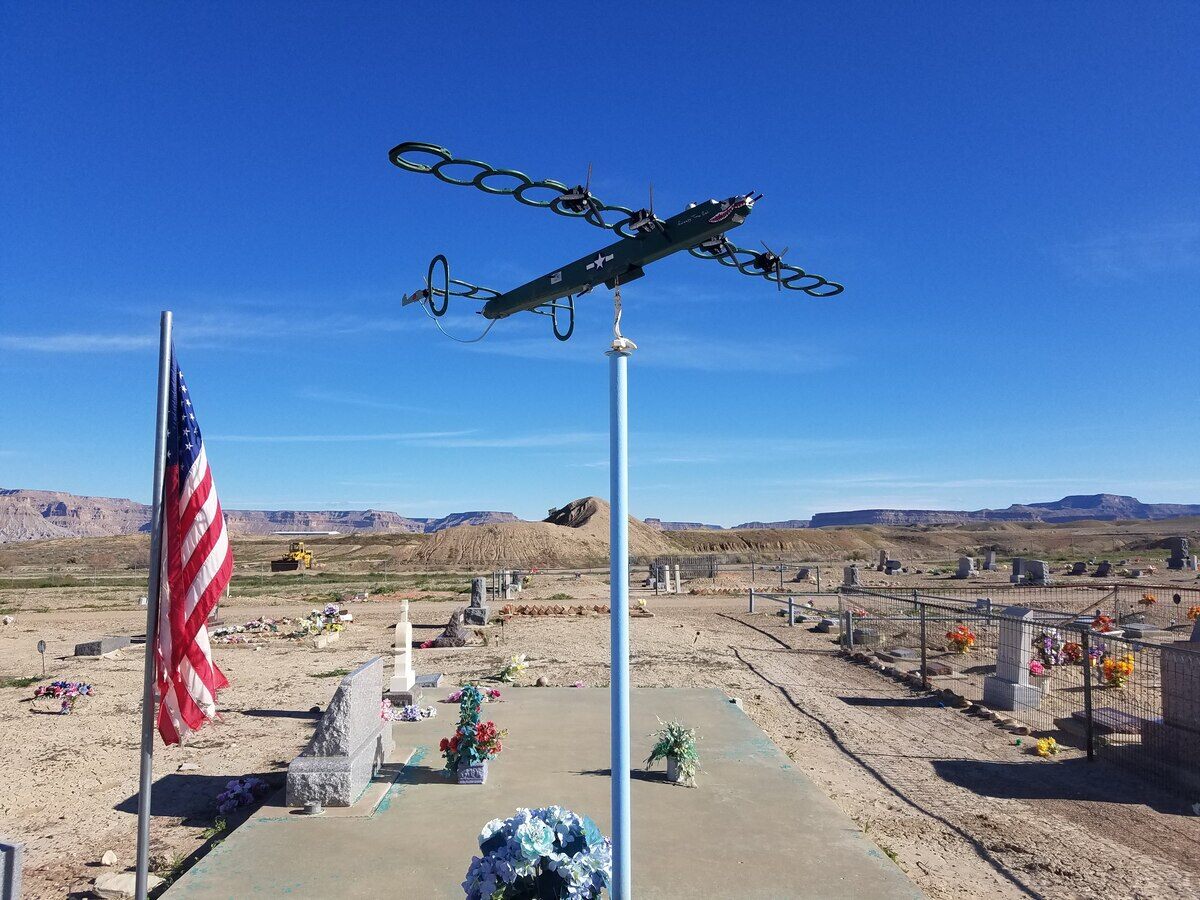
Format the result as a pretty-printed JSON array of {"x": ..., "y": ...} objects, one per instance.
[{"x": 618, "y": 467}]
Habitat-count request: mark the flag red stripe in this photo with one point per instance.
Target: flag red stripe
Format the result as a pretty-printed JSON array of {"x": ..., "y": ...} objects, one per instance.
[{"x": 191, "y": 585}]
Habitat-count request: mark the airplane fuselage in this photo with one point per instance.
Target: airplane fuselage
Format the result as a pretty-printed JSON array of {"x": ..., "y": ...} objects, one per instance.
[{"x": 625, "y": 259}]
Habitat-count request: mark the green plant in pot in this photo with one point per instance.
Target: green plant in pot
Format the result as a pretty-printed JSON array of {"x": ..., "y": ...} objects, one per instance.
[{"x": 677, "y": 745}]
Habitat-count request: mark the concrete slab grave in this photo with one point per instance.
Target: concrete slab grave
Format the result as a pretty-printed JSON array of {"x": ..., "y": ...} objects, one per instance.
[{"x": 420, "y": 840}]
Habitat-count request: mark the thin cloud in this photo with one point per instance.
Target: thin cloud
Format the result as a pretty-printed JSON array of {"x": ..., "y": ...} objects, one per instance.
[
  {"x": 224, "y": 330},
  {"x": 73, "y": 342},
  {"x": 1131, "y": 253},
  {"x": 564, "y": 439},
  {"x": 397, "y": 436},
  {"x": 342, "y": 399},
  {"x": 674, "y": 351}
]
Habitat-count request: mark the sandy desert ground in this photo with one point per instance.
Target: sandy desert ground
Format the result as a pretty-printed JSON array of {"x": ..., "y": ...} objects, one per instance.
[{"x": 961, "y": 809}]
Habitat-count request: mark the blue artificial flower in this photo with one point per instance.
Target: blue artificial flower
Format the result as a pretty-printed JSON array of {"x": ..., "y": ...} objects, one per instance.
[{"x": 535, "y": 838}]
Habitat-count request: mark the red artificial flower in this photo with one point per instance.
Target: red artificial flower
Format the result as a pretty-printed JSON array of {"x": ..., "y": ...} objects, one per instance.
[
  {"x": 425, "y": 645},
  {"x": 444, "y": 745}
]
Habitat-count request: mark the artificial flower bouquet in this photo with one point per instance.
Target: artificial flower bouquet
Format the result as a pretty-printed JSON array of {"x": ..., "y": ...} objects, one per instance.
[
  {"x": 1115, "y": 671},
  {"x": 512, "y": 669},
  {"x": 1046, "y": 747},
  {"x": 473, "y": 743},
  {"x": 961, "y": 639},
  {"x": 540, "y": 853}
]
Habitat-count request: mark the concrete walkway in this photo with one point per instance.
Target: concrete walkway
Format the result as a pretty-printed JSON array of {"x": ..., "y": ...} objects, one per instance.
[{"x": 754, "y": 828}]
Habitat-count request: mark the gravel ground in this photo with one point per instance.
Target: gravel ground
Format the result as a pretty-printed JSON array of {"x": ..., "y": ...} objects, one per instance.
[{"x": 960, "y": 808}]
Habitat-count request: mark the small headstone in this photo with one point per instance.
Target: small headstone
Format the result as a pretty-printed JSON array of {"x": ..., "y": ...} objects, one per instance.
[
  {"x": 101, "y": 646},
  {"x": 850, "y": 576},
  {"x": 966, "y": 566},
  {"x": 1103, "y": 570},
  {"x": 477, "y": 613},
  {"x": 989, "y": 560},
  {"x": 1179, "y": 552},
  {"x": 935, "y": 668},
  {"x": 432, "y": 680},
  {"x": 349, "y": 746},
  {"x": 454, "y": 634},
  {"x": 867, "y": 637},
  {"x": 801, "y": 575},
  {"x": 892, "y": 566},
  {"x": 825, "y": 626},
  {"x": 1079, "y": 568},
  {"x": 1110, "y": 720},
  {"x": 1018, "y": 570},
  {"x": 402, "y": 690},
  {"x": 1009, "y": 688},
  {"x": 1037, "y": 572},
  {"x": 1142, "y": 630},
  {"x": 883, "y": 560},
  {"x": 898, "y": 654}
]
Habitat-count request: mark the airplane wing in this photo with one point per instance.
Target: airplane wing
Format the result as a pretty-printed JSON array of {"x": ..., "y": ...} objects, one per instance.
[
  {"x": 573, "y": 202},
  {"x": 766, "y": 265}
]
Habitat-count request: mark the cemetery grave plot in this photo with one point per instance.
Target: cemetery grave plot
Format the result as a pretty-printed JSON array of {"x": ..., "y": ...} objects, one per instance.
[
  {"x": 1033, "y": 674},
  {"x": 745, "y": 780}
]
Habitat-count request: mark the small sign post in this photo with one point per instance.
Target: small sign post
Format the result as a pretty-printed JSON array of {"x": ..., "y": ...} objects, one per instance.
[{"x": 42, "y": 650}]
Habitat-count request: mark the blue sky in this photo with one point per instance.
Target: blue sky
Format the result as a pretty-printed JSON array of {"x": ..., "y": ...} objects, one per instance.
[{"x": 1008, "y": 192}]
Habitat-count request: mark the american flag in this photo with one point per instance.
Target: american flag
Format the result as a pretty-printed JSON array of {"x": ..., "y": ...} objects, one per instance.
[{"x": 196, "y": 565}]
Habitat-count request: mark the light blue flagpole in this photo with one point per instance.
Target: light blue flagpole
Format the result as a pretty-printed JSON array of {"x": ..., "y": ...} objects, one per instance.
[
  {"x": 146, "y": 775},
  {"x": 619, "y": 611}
]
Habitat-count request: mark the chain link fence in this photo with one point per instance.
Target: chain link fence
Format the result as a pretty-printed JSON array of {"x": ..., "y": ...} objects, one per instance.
[{"x": 1038, "y": 657}]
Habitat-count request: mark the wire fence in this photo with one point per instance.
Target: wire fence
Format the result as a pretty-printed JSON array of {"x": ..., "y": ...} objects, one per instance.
[{"x": 1038, "y": 658}]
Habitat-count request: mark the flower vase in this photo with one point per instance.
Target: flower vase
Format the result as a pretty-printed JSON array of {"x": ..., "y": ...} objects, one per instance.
[
  {"x": 673, "y": 774},
  {"x": 476, "y": 774}
]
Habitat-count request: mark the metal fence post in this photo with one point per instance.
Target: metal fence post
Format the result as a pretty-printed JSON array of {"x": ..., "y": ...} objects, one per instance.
[
  {"x": 848, "y": 631},
  {"x": 818, "y": 568},
  {"x": 1085, "y": 646},
  {"x": 791, "y": 612},
  {"x": 751, "y": 599},
  {"x": 924, "y": 653}
]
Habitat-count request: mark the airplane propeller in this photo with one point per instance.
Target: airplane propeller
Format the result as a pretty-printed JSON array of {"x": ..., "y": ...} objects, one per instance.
[{"x": 770, "y": 261}]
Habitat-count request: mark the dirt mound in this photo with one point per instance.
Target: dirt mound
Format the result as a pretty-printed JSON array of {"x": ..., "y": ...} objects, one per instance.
[{"x": 575, "y": 534}]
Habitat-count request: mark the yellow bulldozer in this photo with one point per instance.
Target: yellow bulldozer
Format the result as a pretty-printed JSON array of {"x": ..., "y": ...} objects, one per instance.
[{"x": 296, "y": 558}]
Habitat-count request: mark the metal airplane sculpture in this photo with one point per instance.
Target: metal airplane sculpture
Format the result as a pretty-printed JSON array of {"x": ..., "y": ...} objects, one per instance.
[{"x": 644, "y": 238}]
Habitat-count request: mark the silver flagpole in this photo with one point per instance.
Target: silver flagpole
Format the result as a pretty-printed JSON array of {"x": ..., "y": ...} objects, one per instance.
[{"x": 156, "y": 538}]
